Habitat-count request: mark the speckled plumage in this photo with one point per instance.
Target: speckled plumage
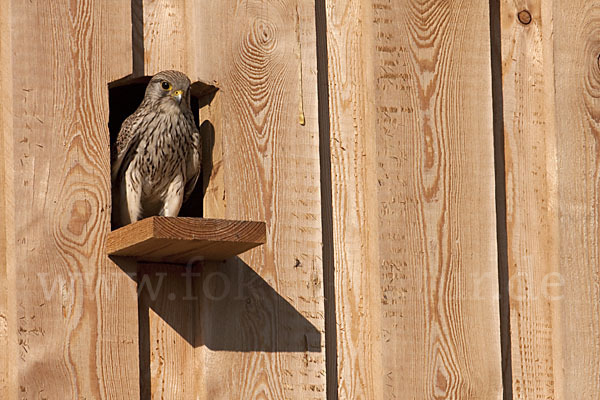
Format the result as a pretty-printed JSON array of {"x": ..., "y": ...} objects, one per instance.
[{"x": 156, "y": 159}]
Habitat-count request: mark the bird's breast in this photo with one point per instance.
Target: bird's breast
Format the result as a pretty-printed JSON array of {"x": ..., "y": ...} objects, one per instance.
[{"x": 162, "y": 154}]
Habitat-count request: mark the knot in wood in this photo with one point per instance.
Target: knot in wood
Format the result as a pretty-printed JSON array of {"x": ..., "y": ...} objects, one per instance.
[
  {"x": 524, "y": 17},
  {"x": 264, "y": 33},
  {"x": 81, "y": 212}
]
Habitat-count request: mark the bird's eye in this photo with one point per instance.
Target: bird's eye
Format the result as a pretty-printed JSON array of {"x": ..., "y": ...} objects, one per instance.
[{"x": 165, "y": 85}]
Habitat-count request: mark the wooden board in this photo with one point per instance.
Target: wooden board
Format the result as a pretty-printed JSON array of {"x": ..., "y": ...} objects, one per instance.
[
  {"x": 576, "y": 46},
  {"x": 166, "y": 27},
  {"x": 6, "y": 205},
  {"x": 531, "y": 213},
  {"x": 355, "y": 368},
  {"x": 167, "y": 358},
  {"x": 71, "y": 308},
  {"x": 262, "y": 337},
  {"x": 413, "y": 199},
  {"x": 265, "y": 166},
  {"x": 181, "y": 240},
  {"x": 551, "y": 111},
  {"x": 166, "y": 323}
]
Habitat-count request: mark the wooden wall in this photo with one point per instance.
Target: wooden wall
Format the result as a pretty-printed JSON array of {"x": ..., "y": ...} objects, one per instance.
[
  {"x": 550, "y": 97},
  {"x": 6, "y": 218},
  {"x": 412, "y": 158},
  {"x": 577, "y": 115},
  {"x": 531, "y": 214},
  {"x": 70, "y": 311},
  {"x": 267, "y": 117},
  {"x": 258, "y": 328},
  {"x": 428, "y": 173}
]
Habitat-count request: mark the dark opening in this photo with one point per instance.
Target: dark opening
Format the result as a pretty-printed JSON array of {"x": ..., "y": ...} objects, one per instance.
[{"x": 124, "y": 97}]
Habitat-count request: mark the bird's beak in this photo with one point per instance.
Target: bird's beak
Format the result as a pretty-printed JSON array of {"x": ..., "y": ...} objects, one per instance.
[{"x": 177, "y": 95}]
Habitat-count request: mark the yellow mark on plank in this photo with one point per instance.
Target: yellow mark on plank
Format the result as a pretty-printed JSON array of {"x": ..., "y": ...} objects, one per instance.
[{"x": 301, "y": 119}]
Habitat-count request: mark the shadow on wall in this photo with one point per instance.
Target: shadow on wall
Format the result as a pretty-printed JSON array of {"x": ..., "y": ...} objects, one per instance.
[{"x": 225, "y": 306}]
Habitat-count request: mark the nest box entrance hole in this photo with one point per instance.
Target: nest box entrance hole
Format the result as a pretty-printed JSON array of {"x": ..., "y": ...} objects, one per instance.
[{"x": 124, "y": 97}]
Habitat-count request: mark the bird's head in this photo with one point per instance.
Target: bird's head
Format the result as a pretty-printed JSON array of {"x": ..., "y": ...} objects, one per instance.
[{"x": 170, "y": 90}]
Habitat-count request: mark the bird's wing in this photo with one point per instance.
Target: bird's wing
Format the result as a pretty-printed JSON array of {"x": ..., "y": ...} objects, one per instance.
[
  {"x": 194, "y": 164},
  {"x": 127, "y": 140}
]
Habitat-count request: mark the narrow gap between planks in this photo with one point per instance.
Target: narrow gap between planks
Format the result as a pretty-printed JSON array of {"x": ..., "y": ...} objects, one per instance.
[
  {"x": 500, "y": 185},
  {"x": 326, "y": 201}
]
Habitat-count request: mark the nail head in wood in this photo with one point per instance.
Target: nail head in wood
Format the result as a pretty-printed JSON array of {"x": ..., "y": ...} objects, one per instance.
[{"x": 524, "y": 17}]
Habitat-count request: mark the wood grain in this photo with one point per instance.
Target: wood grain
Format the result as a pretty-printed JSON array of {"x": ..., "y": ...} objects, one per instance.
[
  {"x": 179, "y": 240},
  {"x": 166, "y": 36},
  {"x": 165, "y": 45},
  {"x": 266, "y": 167},
  {"x": 166, "y": 310},
  {"x": 169, "y": 43},
  {"x": 531, "y": 212},
  {"x": 6, "y": 207},
  {"x": 355, "y": 220},
  {"x": 412, "y": 188},
  {"x": 168, "y": 372},
  {"x": 551, "y": 111},
  {"x": 410, "y": 95},
  {"x": 72, "y": 330},
  {"x": 577, "y": 86}
]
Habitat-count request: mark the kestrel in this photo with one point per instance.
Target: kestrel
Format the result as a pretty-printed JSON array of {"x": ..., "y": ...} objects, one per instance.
[{"x": 157, "y": 156}]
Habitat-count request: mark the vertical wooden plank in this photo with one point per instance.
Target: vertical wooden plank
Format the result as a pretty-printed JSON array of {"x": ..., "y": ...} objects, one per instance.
[
  {"x": 72, "y": 330},
  {"x": 551, "y": 109},
  {"x": 530, "y": 170},
  {"x": 353, "y": 147},
  {"x": 167, "y": 347},
  {"x": 577, "y": 78},
  {"x": 264, "y": 338},
  {"x": 259, "y": 318},
  {"x": 417, "y": 105},
  {"x": 6, "y": 218},
  {"x": 165, "y": 29},
  {"x": 166, "y": 332}
]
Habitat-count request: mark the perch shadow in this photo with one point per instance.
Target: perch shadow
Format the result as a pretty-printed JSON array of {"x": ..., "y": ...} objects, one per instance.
[{"x": 225, "y": 306}]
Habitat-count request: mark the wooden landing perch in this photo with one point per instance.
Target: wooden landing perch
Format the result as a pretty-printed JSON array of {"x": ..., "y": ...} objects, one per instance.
[{"x": 179, "y": 239}]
